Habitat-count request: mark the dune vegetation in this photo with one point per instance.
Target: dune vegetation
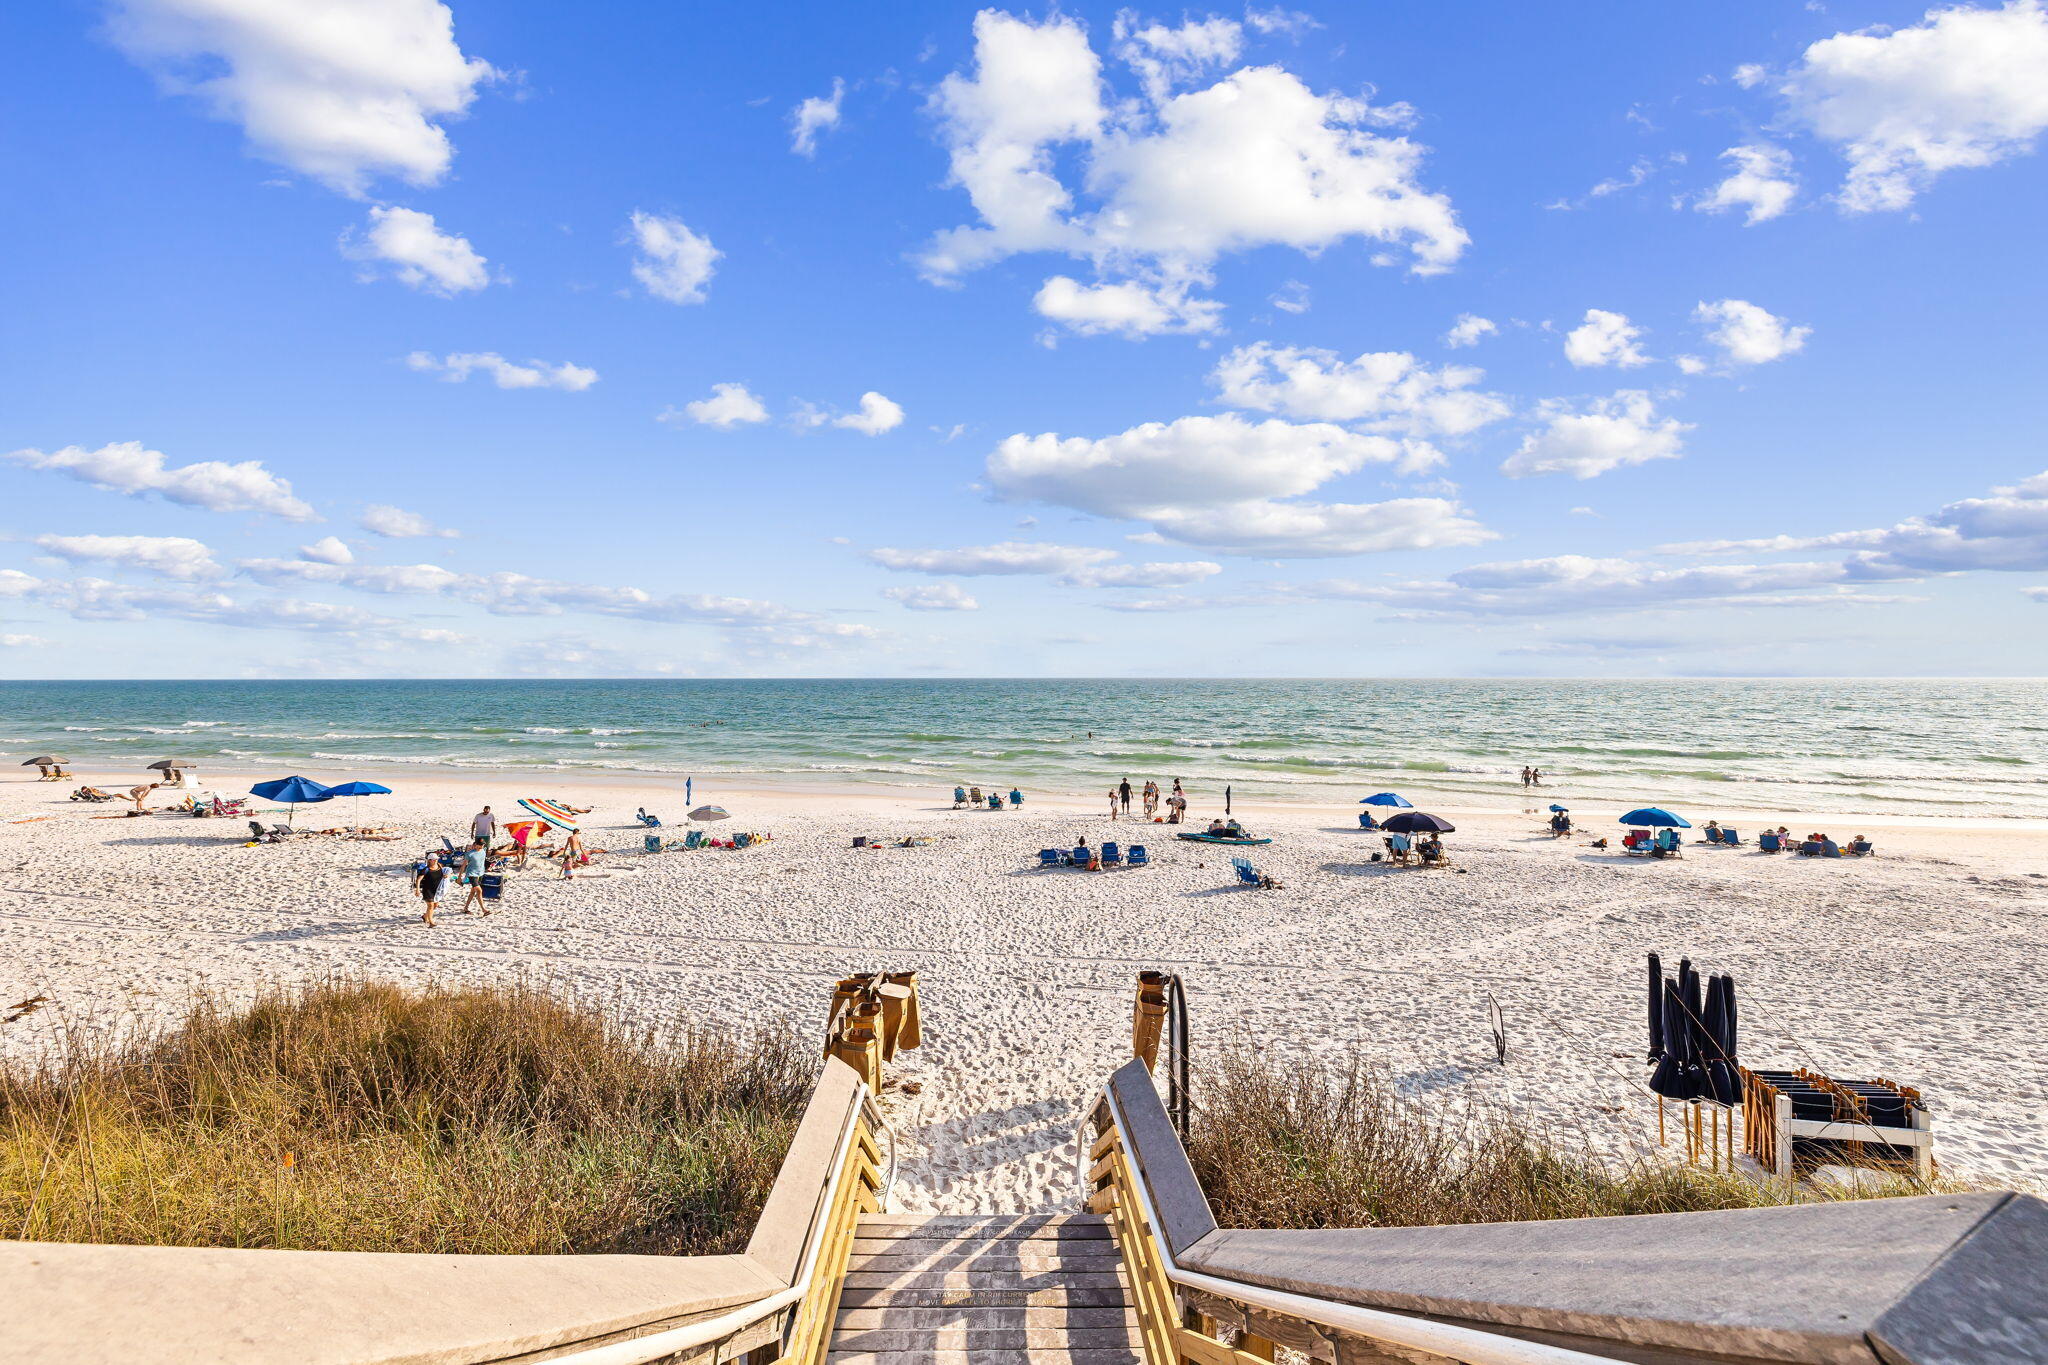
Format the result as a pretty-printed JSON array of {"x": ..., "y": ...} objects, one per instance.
[{"x": 353, "y": 1115}]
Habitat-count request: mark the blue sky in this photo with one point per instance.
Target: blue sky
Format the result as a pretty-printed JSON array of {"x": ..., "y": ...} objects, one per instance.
[{"x": 392, "y": 338}]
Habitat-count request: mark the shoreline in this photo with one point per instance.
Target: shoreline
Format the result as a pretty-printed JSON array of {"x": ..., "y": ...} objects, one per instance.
[{"x": 1587, "y": 812}]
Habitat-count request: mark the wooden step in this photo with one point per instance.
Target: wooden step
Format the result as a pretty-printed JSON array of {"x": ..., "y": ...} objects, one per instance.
[
  {"x": 913, "y": 1316},
  {"x": 981, "y": 1228},
  {"x": 1122, "y": 1355},
  {"x": 1054, "y": 1295},
  {"x": 1106, "y": 1278},
  {"x": 910, "y": 1254},
  {"x": 892, "y": 1340}
]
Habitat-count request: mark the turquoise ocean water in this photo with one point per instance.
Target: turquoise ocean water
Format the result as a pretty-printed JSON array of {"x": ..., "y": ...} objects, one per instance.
[{"x": 1950, "y": 748}]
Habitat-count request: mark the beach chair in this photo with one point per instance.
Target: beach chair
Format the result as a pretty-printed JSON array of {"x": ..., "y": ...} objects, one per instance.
[
  {"x": 995, "y": 800},
  {"x": 1080, "y": 857},
  {"x": 959, "y": 797},
  {"x": 1729, "y": 837},
  {"x": 1137, "y": 857},
  {"x": 651, "y": 821},
  {"x": 1246, "y": 873},
  {"x": 1768, "y": 842},
  {"x": 1861, "y": 848},
  {"x": 1048, "y": 857},
  {"x": 1365, "y": 820},
  {"x": 1016, "y": 797},
  {"x": 1713, "y": 836},
  {"x": 1112, "y": 855},
  {"x": 1399, "y": 848},
  {"x": 651, "y": 843},
  {"x": 694, "y": 839}
]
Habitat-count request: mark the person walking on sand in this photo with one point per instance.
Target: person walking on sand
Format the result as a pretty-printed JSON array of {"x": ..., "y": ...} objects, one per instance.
[
  {"x": 1123, "y": 791},
  {"x": 1112, "y": 803},
  {"x": 428, "y": 884},
  {"x": 484, "y": 826},
  {"x": 473, "y": 874},
  {"x": 1151, "y": 798}
]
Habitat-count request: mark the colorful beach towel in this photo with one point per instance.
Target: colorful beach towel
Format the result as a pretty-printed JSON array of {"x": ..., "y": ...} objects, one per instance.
[{"x": 550, "y": 812}]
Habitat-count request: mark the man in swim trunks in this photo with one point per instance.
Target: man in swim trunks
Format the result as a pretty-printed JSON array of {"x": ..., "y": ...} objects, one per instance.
[{"x": 473, "y": 878}]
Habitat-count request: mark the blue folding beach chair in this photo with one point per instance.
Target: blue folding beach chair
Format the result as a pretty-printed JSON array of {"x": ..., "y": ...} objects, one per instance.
[
  {"x": 1713, "y": 835},
  {"x": 1768, "y": 842},
  {"x": 1137, "y": 857},
  {"x": 1016, "y": 797},
  {"x": 1111, "y": 854},
  {"x": 1730, "y": 837},
  {"x": 959, "y": 797},
  {"x": 1049, "y": 857},
  {"x": 1080, "y": 857},
  {"x": 1246, "y": 873}
]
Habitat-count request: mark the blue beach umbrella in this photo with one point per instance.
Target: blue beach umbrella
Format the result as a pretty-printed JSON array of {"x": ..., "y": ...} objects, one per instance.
[
  {"x": 1657, "y": 817},
  {"x": 1387, "y": 799},
  {"x": 359, "y": 790},
  {"x": 1558, "y": 808},
  {"x": 292, "y": 791}
]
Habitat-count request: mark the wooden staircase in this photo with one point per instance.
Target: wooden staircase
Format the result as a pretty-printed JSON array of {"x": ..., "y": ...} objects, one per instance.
[{"x": 1042, "y": 1289}]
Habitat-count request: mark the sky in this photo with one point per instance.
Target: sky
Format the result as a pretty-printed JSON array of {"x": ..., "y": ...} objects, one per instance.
[{"x": 392, "y": 338}]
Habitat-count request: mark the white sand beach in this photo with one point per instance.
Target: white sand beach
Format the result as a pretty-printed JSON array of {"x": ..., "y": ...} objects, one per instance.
[{"x": 1922, "y": 963}]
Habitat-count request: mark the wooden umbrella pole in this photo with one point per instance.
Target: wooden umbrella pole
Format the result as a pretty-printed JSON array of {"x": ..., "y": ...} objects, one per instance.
[{"x": 1660, "y": 1120}]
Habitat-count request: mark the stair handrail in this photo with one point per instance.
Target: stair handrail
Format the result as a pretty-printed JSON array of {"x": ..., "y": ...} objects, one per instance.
[
  {"x": 662, "y": 1345},
  {"x": 1466, "y": 1344}
]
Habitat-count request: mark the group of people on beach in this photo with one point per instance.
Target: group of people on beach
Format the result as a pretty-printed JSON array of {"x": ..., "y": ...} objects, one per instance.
[
  {"x": 470, "y": 865},
  {"x": 1176, "y": 801}
]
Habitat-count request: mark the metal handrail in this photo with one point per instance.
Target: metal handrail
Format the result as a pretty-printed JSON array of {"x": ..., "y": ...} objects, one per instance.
[
  {"x": 661, "y": 1345},
  {"x": 1467, "y": 1344}
]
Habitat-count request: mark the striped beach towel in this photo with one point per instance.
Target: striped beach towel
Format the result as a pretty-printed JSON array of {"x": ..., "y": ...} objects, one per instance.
[{"x": 550, "y": 812}]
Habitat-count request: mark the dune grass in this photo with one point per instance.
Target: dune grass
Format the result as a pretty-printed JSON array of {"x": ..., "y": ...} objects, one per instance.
[
  {"x": 360, "y": 1116},
  {"x": 1304, "y": 1144}
]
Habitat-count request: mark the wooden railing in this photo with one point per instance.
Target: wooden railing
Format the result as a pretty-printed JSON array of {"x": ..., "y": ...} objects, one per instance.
[
  {"x": 1181, "y": 1314},
  {"x": 1927, "y": 1280}
]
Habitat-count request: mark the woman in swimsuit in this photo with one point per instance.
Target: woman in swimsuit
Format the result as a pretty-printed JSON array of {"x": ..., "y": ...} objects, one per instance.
[{"x": 429, "y": 883}]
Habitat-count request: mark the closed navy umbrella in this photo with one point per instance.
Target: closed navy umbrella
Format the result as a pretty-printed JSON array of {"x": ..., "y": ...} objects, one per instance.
[
  {"x": 1724, "y": 1085},
  {"x": 1656, "y": 1007},
  {"x": 1670, "y": 1078}
]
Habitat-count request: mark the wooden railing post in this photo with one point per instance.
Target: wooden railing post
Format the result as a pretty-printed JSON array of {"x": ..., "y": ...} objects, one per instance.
[{"x": 1148, "y": 1017}]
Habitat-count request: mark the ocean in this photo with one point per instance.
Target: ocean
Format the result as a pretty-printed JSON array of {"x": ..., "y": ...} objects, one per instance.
[{"x": 1925, "y": 747}]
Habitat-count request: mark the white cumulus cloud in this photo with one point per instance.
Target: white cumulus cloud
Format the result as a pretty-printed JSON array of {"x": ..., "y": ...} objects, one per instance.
[
  {"x": 328, "y": 550},
  {"x": 1747, "y": 334},
  {"x": 395, "y": 523},
  {"x": 812, "y": 117},
  {"x": 1216, "y": 482},
  {"x": 1167, "y": 180},
  {"x": 170, "y": 556},
  {"x": 672, "y": 262},
  {"x": 1762, "y": 183},
  {"x": 1008, "y": 558},
  {"x": 417, "y": 252},
  {"x": 729, "y": 406},
  {"x": 340, "y": 90},
  {"x": 1604, "y": 338},
  {"x": 534, "y": 374},
  {"x": 932, "y": 597},
  {"x": 1967, "y": 86},
  {"x": 127, "y": 467},
  {"x": 1469, "y": 330},
  {"x": 1608, "y": 434},
  {"x": 876, "y": 415},
  {"x": 1126, "y": 308},
  {"x": 1389, "y": 391}
]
